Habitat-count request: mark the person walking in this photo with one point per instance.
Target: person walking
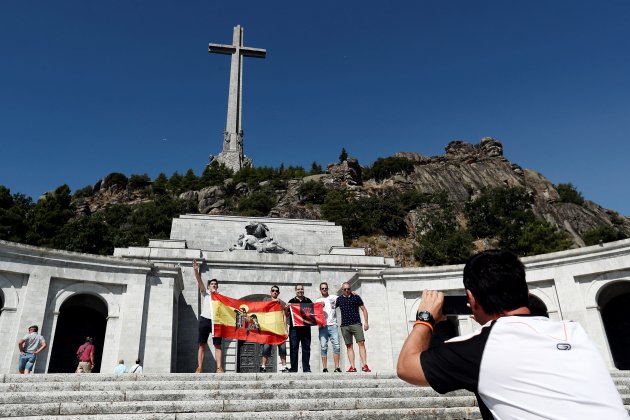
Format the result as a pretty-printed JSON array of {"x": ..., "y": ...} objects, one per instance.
[
  {"x": 137, "y": 368},
  {"x": 300, "y": 336},
  {"x": 205, "y": 322},
  {"x": 330, "y": 331},
  {"x": 85, "y": 354},
  {"x": 351, "y": 325},
  {"x": 282, "y": 348},
  {"x": 30, "y": 346},
  {"x": 519, "y": 365},
  {"x": 121, "y": 368}
]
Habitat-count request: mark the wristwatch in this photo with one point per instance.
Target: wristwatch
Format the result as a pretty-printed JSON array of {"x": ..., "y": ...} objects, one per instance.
[{"x": 425, "y": 316}]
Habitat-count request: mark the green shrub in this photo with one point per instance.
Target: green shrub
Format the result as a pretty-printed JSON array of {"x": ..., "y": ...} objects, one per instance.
[
  {"x": 603, "y": 234},
  {"x": 138, "y": 182},
  {"x": 569, "y": 194},
  {"x": 257, "y": 204},
  {"x": 84, "y": 192},
  {"x": 384, "y": 168},
  {"x": 312, "y": 192},
  {"x": 159, "y": 184},
  {"x": 115, "y": 179}
]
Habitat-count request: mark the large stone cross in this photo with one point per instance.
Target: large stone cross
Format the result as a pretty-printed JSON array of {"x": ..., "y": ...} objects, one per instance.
[{"x": 232, "y": 154}]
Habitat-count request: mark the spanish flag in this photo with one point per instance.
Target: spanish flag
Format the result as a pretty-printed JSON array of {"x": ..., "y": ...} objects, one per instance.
[
  {"x": 259, "y": 322},
  {"x": 307, "y": 314}
]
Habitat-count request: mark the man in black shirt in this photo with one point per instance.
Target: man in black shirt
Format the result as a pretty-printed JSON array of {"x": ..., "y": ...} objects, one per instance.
[
  {"x": 349, "y": 303},
  {"x": 299, "y": 335}
]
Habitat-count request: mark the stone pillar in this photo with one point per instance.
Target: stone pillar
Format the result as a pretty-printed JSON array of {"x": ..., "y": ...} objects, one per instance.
[
  {"x": 132, "y": 318},
  {"x": 33, "y": 313},
  {"x": 159, "y": 330}
]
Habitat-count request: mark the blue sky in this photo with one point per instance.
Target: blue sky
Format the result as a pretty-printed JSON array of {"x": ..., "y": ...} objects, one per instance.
[{"x": 88, "y": 88}]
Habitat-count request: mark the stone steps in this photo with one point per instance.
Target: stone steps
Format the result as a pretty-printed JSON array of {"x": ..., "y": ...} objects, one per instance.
[{"x": 226, "y": 396}]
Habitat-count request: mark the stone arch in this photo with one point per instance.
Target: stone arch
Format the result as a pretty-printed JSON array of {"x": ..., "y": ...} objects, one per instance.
[
  {"x": 78, "y": 314},
  {"x": 8, "y": 294},
  {"x": 613, "y": 300},
  {"x": 97, "y": 290}
]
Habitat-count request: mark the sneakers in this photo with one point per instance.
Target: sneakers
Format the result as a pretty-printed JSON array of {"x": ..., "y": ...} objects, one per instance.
[
  {"x": 285, "y": 370},
  {"x": 337, "y": 369},
  {"x": 352, "y": 369},
  {"x": 263, "y": 369},
  {"x": 325, "y": 370},
  {"x": 365, "y": 368},
  {"x": 220, "y": 370}
]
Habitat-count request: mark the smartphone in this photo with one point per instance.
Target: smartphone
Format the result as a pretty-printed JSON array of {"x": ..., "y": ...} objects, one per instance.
[{"x": 456, "y": 305}]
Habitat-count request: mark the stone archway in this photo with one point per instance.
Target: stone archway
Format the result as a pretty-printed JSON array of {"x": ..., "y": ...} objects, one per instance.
[
  {"x": 614, "y": 300},
  {"x": 79, "y": 316}
]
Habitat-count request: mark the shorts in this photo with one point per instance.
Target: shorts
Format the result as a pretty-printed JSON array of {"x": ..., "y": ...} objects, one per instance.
[
  {"x": 282, "y": 349},
  {"x": 26, "y": 361},
  {"x": 355, "y": 330},
  {"x": 205, "y": 329},
  {"x": 84, "y": 367}
]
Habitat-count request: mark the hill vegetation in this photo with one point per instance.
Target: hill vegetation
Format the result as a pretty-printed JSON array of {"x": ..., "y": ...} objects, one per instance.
[{"x": 421, "y": 211}]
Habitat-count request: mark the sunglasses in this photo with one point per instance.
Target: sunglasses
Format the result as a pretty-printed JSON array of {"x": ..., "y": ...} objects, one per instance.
[
  {"x": 347, "y": 289},
  {"x": 323, "y": 288},
  {"x": 275, "y": 291}
]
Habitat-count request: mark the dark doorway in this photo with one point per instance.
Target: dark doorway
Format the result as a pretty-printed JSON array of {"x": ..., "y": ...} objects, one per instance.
[
  {"x": 80, "y": 316},
  {"x": 617, "y": 324}
]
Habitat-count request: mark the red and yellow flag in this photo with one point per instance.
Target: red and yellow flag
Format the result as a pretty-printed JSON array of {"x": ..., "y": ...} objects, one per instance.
[{"x": 259, "y": 322}]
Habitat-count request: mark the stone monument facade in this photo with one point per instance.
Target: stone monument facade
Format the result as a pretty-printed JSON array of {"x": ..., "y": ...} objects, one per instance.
[{"x": 232, "y": 154}]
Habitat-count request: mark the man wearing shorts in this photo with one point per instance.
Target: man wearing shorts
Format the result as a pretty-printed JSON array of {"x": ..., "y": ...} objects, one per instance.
[
  {"x": 205, "y": 322},
  {"x": 329, "y": 331},
  {"x": 351, "y": 326},
  {"x": 282, "y": 348},
  {"x": 30, "y": 346}
]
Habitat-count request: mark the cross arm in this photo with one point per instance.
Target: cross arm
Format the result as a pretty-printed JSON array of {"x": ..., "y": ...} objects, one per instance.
[
  {"x": 253, "y": 52},
  {"x": 221, "y": 49}
]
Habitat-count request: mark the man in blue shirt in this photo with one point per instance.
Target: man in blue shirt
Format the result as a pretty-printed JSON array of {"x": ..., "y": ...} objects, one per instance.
[
  {"x": 121, "y": 368},
  {"x": 351, "y": 326}
]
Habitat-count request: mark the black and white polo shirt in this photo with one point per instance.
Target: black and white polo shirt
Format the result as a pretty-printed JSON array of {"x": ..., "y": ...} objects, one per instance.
[{"x": 527, "y": 367}]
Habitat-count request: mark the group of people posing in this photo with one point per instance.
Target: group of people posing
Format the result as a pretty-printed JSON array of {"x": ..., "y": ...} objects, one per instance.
[{"x": 352, "y": 328}]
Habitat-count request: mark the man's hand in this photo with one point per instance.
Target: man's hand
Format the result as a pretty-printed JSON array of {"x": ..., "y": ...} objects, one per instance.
[
  {"x": 366, "y": 326},
  {"x": 195, "y": 266},
  {"x": 432, "y": 301}
]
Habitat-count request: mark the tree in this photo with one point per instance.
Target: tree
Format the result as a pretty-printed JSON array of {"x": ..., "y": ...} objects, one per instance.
[
  {"x": 214, "y": 174},
  {"x": 138, "y": 182},
  {"x": 189, "y": 183},
  {"x": 50, "y": 214},
  {"x": 159, "y": 184},
  {"x": 343, "y": 156},
  {"x": 14, "y": 212},
  {"x": 384, "y": 168},
  {"x": 441, "y": 241},
  {"x": 312, "y": 192},
  {"x": 603, "y": 234},
  {"x": 569, "y": 194},
  {"x": 316, "y": 168},
  {"x": 258, "y": 203}
]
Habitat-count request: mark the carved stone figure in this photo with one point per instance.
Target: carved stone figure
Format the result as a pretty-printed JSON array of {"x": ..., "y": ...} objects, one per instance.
[{"x": 257, "y": 237}]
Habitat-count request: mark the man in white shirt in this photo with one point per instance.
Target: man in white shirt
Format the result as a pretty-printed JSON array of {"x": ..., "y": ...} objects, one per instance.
[
  {"x": 137, "y": 368},
  {"x": 205, "y": 322},
  {"x": 330, "y": 331}
]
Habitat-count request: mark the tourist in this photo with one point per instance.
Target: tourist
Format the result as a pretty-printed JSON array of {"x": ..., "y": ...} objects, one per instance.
[
  {"x": 205, "y": 322},
  {"x": 519, "y": 365},
  {"x": 85, "y": 355},
  {"x": 121, "y": 368},
  {"x": 349, "y": 303},
  {"x": 137, "y": 368},
  {"x": 300, "y": 335},
  {"x": 282, "y": 348},
  {"x": 329, "y": 331},
  {"x": 30, "y": 346}
]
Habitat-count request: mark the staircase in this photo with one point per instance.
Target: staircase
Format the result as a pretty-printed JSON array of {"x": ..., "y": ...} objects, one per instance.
[{"x": 181, "y": 396}]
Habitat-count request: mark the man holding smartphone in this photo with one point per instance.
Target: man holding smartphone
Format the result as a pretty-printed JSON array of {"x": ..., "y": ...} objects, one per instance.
[{"x": 519, "y": 365}]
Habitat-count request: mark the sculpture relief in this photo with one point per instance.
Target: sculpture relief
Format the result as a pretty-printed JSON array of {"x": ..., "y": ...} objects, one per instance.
[{"x": 257, "y": 237}]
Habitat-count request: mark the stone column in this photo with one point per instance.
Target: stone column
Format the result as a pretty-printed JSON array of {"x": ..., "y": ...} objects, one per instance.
[
  {"x": 132, "y": 322},
  {"x": 33, "y": 313},
  {"x": 159, "y": 330}
]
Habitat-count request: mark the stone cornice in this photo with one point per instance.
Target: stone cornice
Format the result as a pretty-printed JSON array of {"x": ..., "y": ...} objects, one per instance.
[{"x": 28, "y": 254}]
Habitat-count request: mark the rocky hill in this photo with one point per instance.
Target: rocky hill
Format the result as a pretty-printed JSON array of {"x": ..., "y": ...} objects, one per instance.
[{"x": 464, "y": 172}]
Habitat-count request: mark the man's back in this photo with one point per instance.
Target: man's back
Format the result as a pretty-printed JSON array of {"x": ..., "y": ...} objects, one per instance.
[{"x": 527, "y": 367}]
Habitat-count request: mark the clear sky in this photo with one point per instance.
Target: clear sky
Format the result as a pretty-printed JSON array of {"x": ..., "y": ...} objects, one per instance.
[{"x": 88, "y": 88}]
